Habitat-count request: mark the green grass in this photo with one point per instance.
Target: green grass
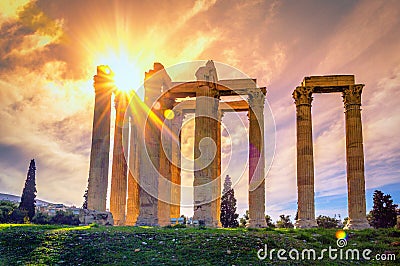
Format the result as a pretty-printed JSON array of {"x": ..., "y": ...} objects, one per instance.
[{"x": 98, "y": 245}]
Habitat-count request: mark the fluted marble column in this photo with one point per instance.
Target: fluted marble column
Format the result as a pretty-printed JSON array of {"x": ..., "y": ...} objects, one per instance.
[
  {"x": 176, "y": 165},
  {"x": 99, "y": 156},
  {"x": 119, "y": 165},
  {"x": 164, "y": 182},
  {"x": 149, "y": 146},
  {"x": 305, "y": 160},
  {"x": 355, "y": 158},
  {"x": 132, "y": 204},
  {"x": 205, "y": 155},
  {"x": 256, "y": 160}
]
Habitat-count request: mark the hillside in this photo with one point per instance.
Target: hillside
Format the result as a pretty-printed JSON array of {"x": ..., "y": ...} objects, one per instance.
[{"x": 14, "y": 198}]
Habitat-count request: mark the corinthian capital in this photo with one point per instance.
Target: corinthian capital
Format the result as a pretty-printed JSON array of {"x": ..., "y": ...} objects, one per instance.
[
  {"x": 352, "y": 94},
  {"x": 256, "y": 100},
  {"x": 303, "y": 95}
]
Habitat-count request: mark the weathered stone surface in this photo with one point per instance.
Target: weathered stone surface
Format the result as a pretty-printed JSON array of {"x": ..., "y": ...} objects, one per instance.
[
  {"x": 256, "y": 160},
  {"x": 355, "y": 158},
  {"x": 205, "y": 159},
  {"x": 119, "y": 166},
  {"x": 331, "y": 80},
  {"x": 305, "y": 158},
  {"x": 176, "y": 164},
  {"x": 92, "y": 216},
  {"x": 164, "y": 182},
  {"x": 132, "y": 202},
  {"x": 99, "y": 156},
  {"x": 156, "y": 80}
]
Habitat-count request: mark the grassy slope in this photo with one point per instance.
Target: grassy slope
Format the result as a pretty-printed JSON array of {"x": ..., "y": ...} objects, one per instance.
[{"x": 85, "y": 245}]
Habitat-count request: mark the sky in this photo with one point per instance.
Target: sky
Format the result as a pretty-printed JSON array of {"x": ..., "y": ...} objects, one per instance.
[{"x": 49, "y": 51}]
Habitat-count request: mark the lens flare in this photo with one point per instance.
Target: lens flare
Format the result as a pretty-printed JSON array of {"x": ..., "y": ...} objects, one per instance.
[
  {"x": 169, "y": 114},
  {"x": 157, "y": 106},
  {"x": 340, "y": 234}
]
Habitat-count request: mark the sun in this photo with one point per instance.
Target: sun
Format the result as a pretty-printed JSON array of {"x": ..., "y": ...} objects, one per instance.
[{"x": 127, "y": 74}]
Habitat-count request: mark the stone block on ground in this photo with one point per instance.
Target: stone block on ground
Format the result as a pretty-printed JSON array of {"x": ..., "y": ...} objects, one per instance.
[{"x": 91, "y": 216}]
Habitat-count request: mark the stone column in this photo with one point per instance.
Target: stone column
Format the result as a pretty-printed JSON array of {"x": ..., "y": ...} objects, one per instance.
[
  {"x": 256, "y": 160},
  {"x": 132, "y": 208},
  {"x": 149, "y": 148},
  {"x": 164, "y": 182},
  {"x": 119, "y": 165},
  {"x": 205, "y": 154},
  {"x": 355, "y": 158},
  {"x": 99, "y": 156},
  {"x": 176, "y": 165},
  {"x": 305, "y": 160},
  {"x": 218, "y": 203}
]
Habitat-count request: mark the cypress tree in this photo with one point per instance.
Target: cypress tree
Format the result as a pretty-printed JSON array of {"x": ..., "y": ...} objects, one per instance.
[
  {"x": 228, "y": 205},
  {"x": 28, "y": 201}
]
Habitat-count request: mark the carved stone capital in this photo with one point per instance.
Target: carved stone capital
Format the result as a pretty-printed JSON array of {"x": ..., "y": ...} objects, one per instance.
[
  {"x": 256, "y": 100},
  {"x": 303, "y": 95},
  {"x": 352, "y": 94}
]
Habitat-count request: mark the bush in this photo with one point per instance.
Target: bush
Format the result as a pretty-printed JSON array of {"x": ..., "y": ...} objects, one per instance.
[
  {"x": 18, "y": 216},
  {"x": 63, "y": 217},
  {"x": 284, "y": 222},
  {"x": 6, "y": 209},
  {"x": 41, "y": 218},
  {"x": 327, "y": 222}
]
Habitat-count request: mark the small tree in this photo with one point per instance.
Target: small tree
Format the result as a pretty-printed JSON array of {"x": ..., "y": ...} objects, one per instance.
[
  {"x": 28, "y": 201},
  {"x": 327, "y": 222},
  {"x": 228, "y": 205},
  {"x": 85, "y": 196},
  {"x": 284, "y": 222},
  {"x": 245, "y": 219},
  {"x": 269, "y": 222},
  {"x": 384, "y": 211}
]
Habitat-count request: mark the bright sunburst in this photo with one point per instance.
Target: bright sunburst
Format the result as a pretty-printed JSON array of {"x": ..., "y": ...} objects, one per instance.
[{"x": 127, "y": 74}]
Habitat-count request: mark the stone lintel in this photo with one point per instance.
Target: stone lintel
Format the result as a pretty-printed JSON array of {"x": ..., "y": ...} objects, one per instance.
[
  {"x": 328, "y": 81},
  {"x": 233, "y": 106},
  {"x": 224, "y": 87}
]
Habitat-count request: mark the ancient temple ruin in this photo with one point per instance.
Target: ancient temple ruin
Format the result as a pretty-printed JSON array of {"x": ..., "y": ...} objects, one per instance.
[
  {"x": 148, "y": 191},
  {"x": 146, "y": 165},
  {"x": 351, "y": 94}
]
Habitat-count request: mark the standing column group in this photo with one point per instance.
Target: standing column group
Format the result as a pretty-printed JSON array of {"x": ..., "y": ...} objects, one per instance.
[{"x": 354, "y": 156}]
